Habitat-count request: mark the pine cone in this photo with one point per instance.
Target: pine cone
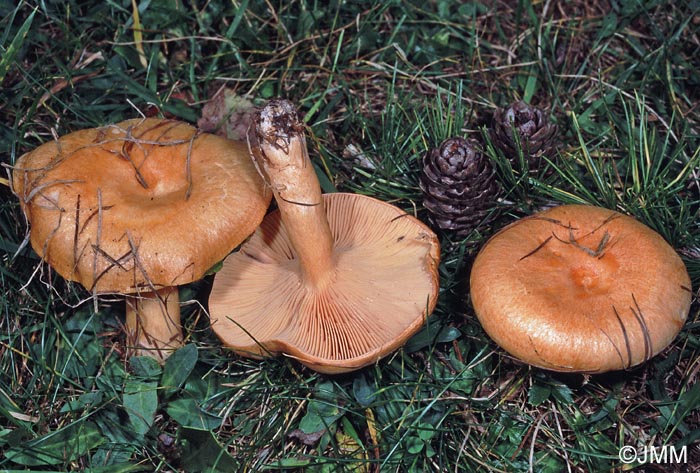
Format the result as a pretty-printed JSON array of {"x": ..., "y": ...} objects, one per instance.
[
  {"x": 458, "y": 185},
  {"x": 534, "y": 132}
]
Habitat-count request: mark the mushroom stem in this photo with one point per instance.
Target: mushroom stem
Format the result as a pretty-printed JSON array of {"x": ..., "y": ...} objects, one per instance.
[
  {"x": 283, "y": 157},
  {"x": 153, "y": 322}
]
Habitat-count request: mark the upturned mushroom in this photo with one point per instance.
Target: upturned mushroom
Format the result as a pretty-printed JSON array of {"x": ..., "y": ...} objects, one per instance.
[
  {"x": 580, "y": 289},
  {"x": 336, "y": 281},
  {"x": 139, "y": 208}
]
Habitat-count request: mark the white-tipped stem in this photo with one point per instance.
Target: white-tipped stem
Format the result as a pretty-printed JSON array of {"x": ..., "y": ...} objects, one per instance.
[
  {"x": 281, "y": 153},
  {"x": 153, "y": 323}
]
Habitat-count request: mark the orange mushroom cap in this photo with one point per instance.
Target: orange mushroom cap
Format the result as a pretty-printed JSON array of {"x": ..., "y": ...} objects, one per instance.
[
  {"x": 383, "y": 287},
  {"x": 581, "y": 289},
  {"x": 144, "y": 203}
]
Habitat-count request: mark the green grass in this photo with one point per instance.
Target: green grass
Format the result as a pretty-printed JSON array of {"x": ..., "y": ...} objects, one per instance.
[{"x": 379, "y": 83}]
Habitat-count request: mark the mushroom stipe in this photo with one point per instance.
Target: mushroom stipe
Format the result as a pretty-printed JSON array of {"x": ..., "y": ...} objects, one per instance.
[{"x": 580, "y": 289}]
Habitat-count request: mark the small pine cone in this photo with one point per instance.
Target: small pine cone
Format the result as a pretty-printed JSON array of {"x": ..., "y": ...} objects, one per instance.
[
  {"x": 458, "y": 185},
  {"x": 534, "y": 132}
]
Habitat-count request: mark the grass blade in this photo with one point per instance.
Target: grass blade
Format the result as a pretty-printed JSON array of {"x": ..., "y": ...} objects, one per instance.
[{"x": 10, "y": 53}]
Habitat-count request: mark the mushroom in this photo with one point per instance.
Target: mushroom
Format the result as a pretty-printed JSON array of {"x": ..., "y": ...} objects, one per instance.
[
  {"x": 336, "y": 281},
  {"x": 139, "y": 208},
  {"x": 579, "y": 288}
]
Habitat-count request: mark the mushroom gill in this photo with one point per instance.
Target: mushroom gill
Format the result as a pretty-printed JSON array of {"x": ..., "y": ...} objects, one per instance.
[
  {"x": 365, "y": 308},
  {"x": 336, "y": 281}
]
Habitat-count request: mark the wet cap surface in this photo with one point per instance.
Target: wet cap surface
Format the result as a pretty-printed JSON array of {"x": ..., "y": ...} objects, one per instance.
[
  {"x": 141, "y": 203},
  {"x": 580, "y": 288}
]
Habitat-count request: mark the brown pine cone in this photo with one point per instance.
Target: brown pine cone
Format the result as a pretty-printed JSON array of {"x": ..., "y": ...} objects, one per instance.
[
  {"x": 458, "y": 184},
  {"x": 530, "y": 127}
]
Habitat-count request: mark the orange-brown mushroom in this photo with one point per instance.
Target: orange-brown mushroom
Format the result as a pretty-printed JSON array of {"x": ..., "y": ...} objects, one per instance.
[
  {"x": 335, "y": 281},
  {"x": 581, "y": 289},
  {"x": 139, "y": 208}
]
